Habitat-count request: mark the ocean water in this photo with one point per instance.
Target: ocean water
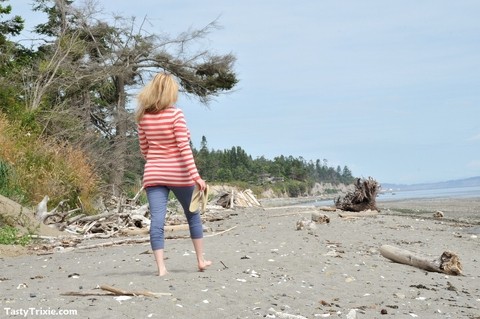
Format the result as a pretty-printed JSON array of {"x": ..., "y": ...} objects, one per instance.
[{"x": 457, "y": 192}]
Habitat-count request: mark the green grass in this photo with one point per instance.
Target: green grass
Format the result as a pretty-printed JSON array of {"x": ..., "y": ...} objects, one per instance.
[{"x": 9, "y": 236}]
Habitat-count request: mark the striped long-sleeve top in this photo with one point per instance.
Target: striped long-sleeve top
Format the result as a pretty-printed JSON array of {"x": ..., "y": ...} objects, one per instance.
[{"x": 165, "y": 144}]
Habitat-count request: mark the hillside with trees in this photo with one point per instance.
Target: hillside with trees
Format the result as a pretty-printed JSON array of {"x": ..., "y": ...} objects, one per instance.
[
  {"x": 66, "y": 128},
  {"x": 287, "y": 175}
]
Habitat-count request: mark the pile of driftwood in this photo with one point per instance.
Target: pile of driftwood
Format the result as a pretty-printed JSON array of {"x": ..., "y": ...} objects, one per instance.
[
  {"x": 238, "y": 199},
  {"x": 119, "y": 216},
  {"x": 124, "y": 216},
  {"x": 362, "y": 198}
]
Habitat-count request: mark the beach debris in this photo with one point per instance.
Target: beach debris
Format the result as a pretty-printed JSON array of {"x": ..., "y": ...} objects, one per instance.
[
  {"x": 438, "y": 214},
  {"x": 22, "y": 286},
  {"x": 352, "y": 314},
  {"x": 221, "y": 232},
  {"x": 448, "y": 263},
  {"x": 112, "y": 291},
  {"x": 327, "y": 208},
  {"x": 325, "y": 303},
  {"x": 252, "y": 273},
  {"x": 451, "y": 287},
  {"x": 41, "y": 210},
  {"x": 283, "y": 315},
  {"x": 122, "y": 298},
  {"x": 311, "y": 223},
  {"x": 320, "y": 218},
  {"x": 332, "y": 253},
  {"x": 116, "y": 243},
  {"x": 366, "y": 213},
  {"x": 362, "y": 198},
  {"x": 305, "y": 223},
  {"x": 349, "y": 279}
]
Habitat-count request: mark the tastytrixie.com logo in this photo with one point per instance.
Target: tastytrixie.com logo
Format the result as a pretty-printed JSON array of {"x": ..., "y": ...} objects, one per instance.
[{"x": 39, "y": 312}]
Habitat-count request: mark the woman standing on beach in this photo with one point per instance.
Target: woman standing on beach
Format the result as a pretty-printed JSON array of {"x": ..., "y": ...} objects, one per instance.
[{"x": 165, "y": 144}]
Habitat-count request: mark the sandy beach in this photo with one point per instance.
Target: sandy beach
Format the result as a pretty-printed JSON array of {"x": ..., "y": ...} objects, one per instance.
[{"x": 264, "y": 268}]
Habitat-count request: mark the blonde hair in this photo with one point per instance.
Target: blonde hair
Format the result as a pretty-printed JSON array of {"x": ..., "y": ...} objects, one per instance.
[{"x": 157, "y": 95}]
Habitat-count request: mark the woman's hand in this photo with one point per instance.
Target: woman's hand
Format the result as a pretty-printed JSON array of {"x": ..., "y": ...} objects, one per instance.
[{"x": 201, "y": 184}]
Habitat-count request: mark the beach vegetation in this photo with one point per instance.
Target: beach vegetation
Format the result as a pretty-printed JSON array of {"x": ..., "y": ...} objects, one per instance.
[
  {"x": 32, "y": 167},
  {"x": 11, "y": 236}
]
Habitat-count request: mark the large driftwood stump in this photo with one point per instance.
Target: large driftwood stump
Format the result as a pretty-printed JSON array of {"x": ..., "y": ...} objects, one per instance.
[
  {"x": 363, "y": 198},
  {"x": 238, "y": 199},
  {"x": 447, "y": 263}
]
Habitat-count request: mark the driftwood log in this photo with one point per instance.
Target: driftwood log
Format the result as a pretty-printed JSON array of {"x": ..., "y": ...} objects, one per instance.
[
  {"x": 112, "y": 291},
  {"x": 121, "y": 292},
  {"x": 367, "y": 213},
  {"x": 447, "y": 263},
  {"x": 362, "y": 198}
]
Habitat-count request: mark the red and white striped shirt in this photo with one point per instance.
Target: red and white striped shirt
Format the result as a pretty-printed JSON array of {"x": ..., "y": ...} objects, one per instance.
[{"x": 165, "y": 144}]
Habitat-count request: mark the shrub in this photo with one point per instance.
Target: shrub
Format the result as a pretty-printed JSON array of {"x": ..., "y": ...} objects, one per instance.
[
  {"x": 9, "y": 236},
  {"x": 35, "y": 167}
]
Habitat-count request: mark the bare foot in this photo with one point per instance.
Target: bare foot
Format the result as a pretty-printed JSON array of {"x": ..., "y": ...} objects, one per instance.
[
  {"x": 162, "y": 272},
  {"x": 204, "y": 265}
]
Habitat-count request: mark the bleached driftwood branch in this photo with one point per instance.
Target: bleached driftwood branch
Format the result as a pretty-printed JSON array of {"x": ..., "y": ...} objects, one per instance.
[
  {"x": 112, "y": 291},
  {"x": 284, "y": 315},
  {"x": 447, "y": 263}
]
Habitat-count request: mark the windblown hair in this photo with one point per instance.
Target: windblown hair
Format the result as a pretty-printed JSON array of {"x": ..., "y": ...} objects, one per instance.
[{"x": 157, "y": 95}]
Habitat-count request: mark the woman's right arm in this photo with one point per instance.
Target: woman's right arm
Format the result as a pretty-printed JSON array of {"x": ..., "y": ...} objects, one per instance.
[{"x": 142, "y": 140}]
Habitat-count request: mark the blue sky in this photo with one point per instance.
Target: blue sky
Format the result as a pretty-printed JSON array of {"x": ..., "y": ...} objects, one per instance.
[{"x": 389, "y": 88}]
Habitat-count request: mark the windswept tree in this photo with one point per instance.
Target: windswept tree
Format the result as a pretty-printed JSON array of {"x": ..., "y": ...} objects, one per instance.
[
  {"x": 88, "y": 65},
  {"x": 12, "y": 57},
  {"x": 11, "y": 25}
]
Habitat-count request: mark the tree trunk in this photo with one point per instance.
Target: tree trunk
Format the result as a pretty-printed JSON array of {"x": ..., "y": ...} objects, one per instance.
[{"x": 120, "y": 140}]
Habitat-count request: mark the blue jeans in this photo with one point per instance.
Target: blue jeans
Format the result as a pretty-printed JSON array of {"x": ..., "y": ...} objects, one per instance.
[{"x": 157, "y": 199}]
